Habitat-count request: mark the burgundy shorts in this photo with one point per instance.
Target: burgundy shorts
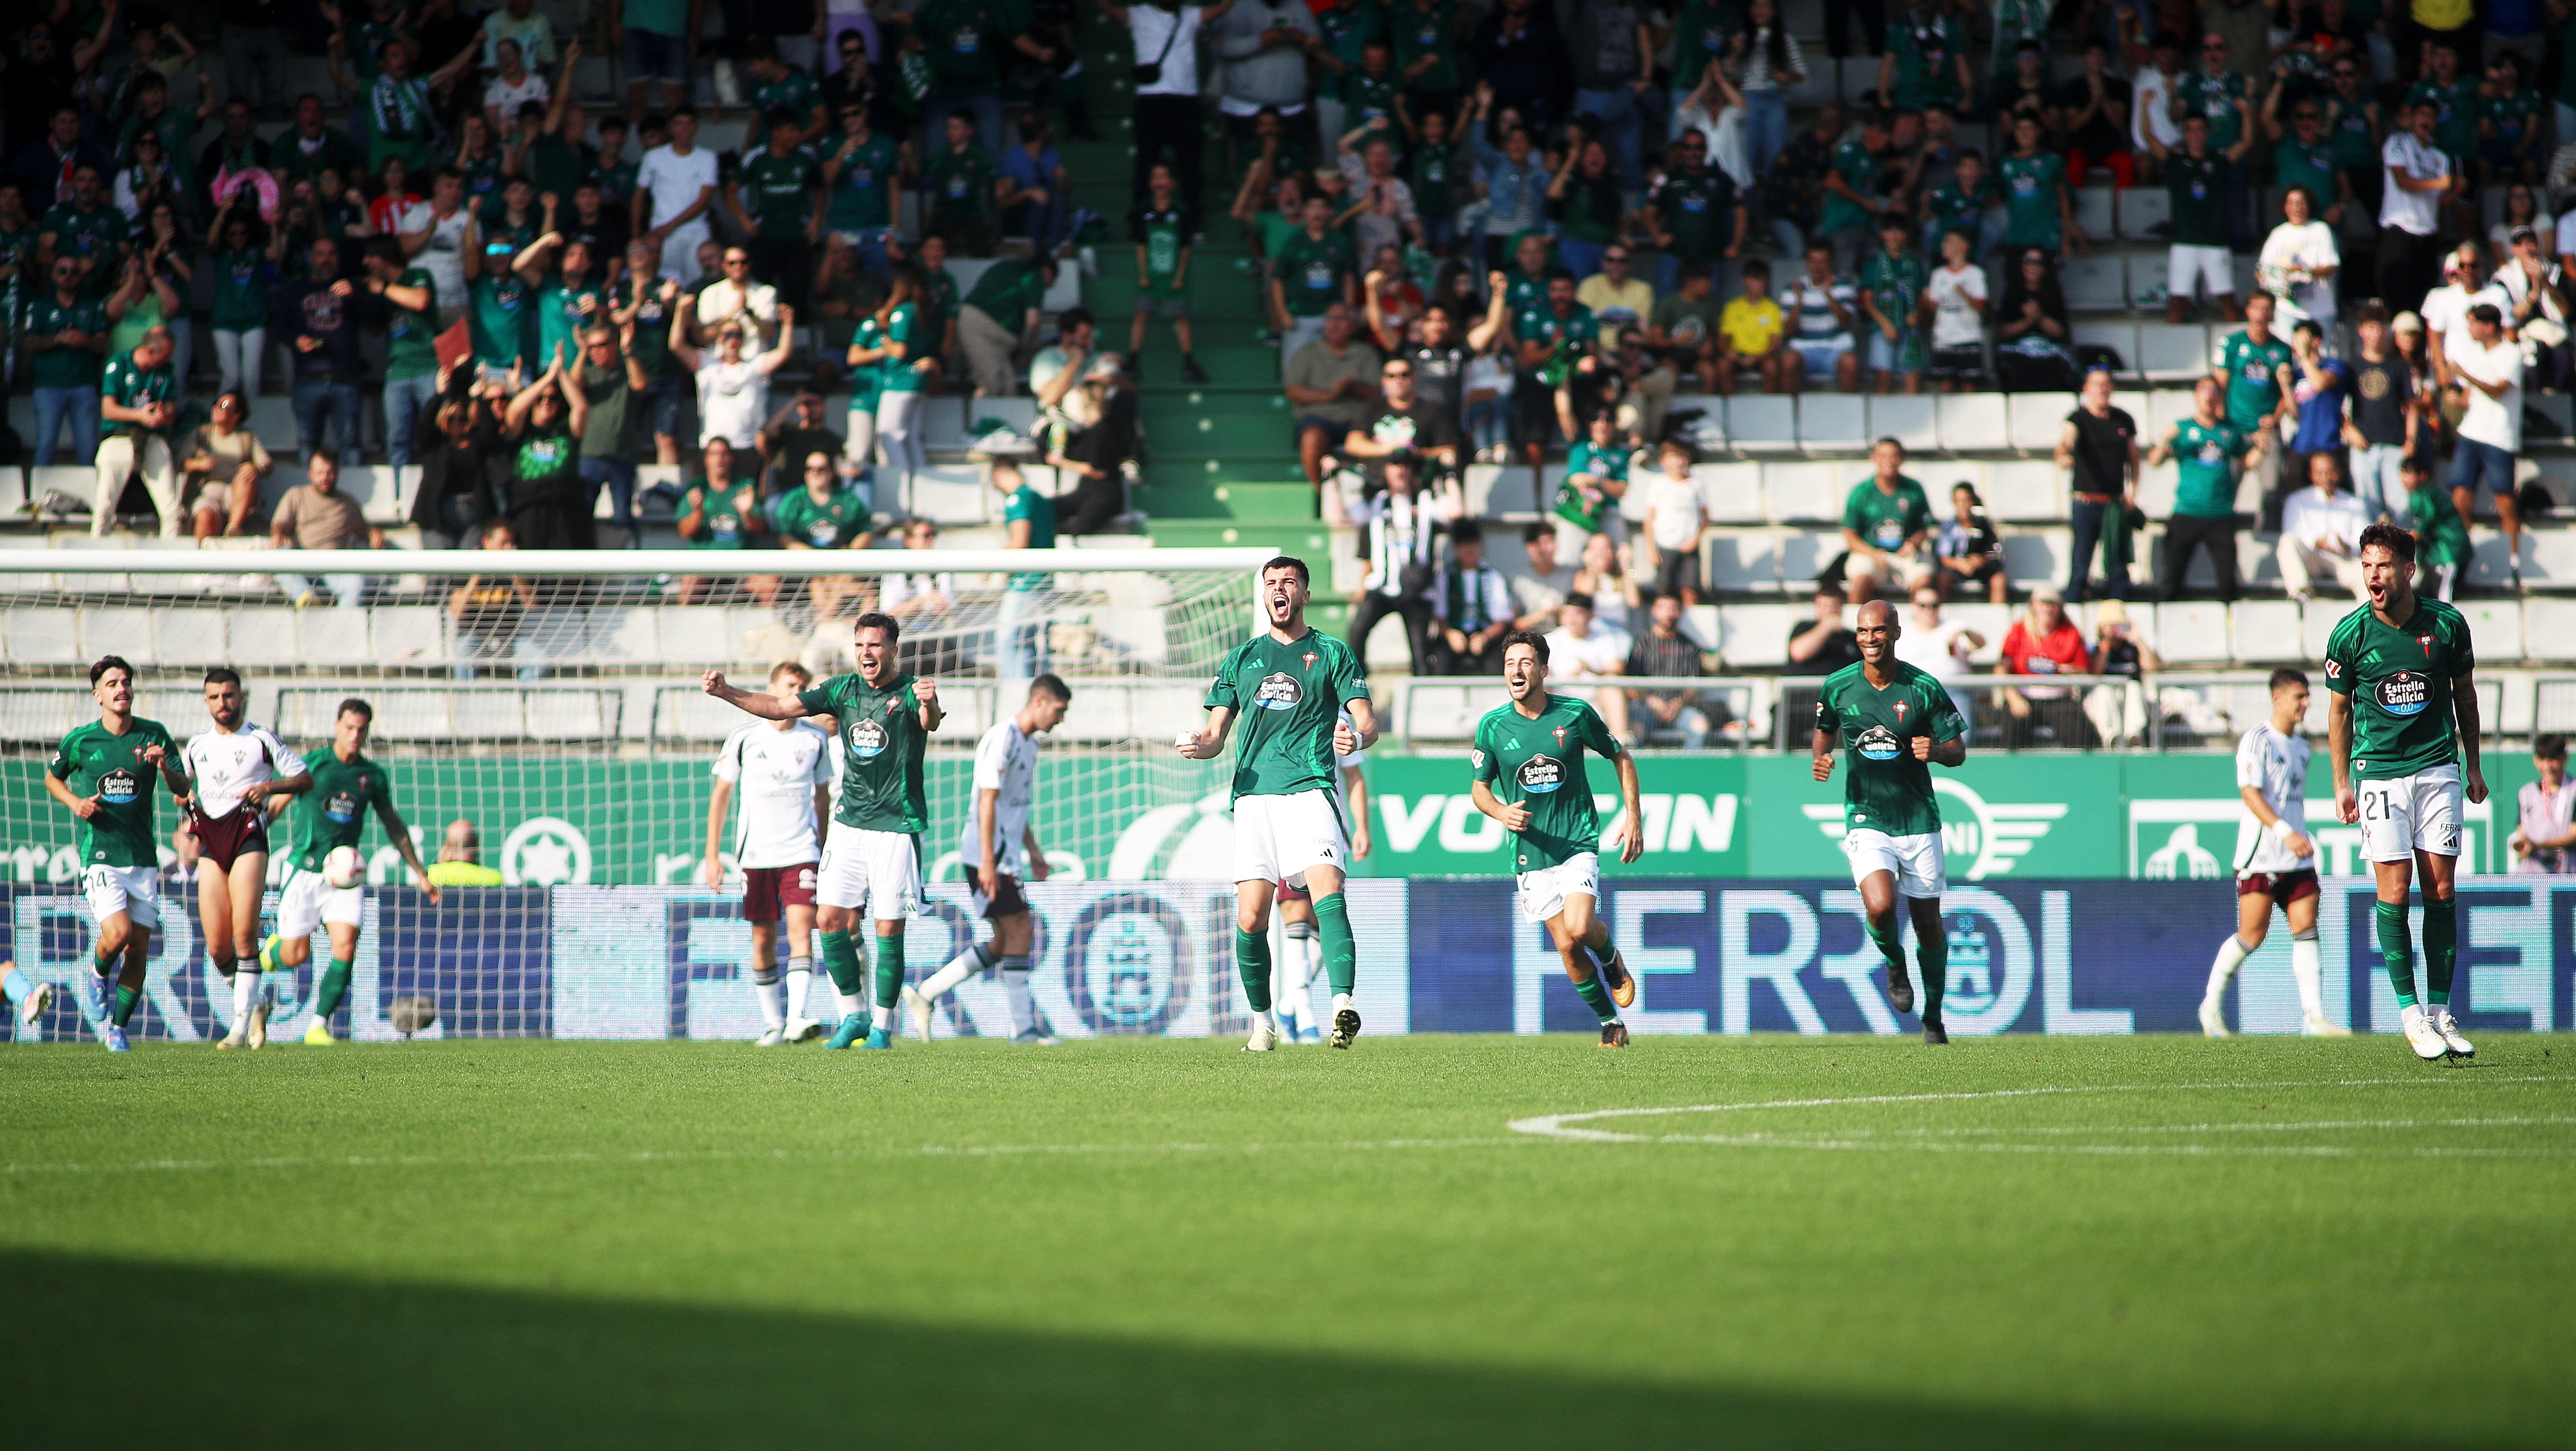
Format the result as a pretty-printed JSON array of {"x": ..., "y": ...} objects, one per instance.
[
  {"x": 1293, "y": 892},
  {"x": 1006, "y": 900},
  {"x": 2282, "y": 887},
  {"x": 224, "y": 839},
  {"x": 766, "y": 889}
]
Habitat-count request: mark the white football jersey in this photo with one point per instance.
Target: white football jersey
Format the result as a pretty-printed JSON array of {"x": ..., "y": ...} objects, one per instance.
[
  {"x": 224, "y": 764},
  {"x": 2277, "y": 766},
  {"x": 1006, "y": 763},
  {"x": 774, "y": 773}
]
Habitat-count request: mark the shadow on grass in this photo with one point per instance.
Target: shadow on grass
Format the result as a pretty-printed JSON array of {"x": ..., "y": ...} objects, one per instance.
[{"x": 96, "y": 1351}]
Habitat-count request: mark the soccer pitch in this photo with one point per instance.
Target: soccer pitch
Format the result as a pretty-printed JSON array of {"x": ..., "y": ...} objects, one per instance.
[{"x": 2019, "y": 1241}]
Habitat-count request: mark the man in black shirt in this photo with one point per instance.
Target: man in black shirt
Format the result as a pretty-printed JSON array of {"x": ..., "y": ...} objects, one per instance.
[
  {"x": 1822, "y": 645},
  {"x": 317, "y": 316},
  {"x": 2023, "y": 91},
  {"x": 2094, "y": 107},
  {"x": 797, "y": 432},
  {"x": 2378, "y": 426},
  {"x": 1439, "y": 365},
  {"x": 1404, "y": 423},
  {"x": 2100, "y": 444}
]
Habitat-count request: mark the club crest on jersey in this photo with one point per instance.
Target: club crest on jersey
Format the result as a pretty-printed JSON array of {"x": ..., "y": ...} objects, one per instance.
[
  {"x": 1900, "y": 712},
  {"x": 2427, "y": 642},
  {"x": 1279, "y": 691},
  {"x": 2405, "y": 693},
  {"x": 1878, "y": 743},
  {"x": 868, "y": 739},
  {"x": 1540, "y": 775},
  {"x": 1309, "y": 658}
]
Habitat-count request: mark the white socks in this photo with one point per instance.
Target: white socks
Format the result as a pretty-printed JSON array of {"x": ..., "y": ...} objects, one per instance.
[
  {"x": 1341, "y": 1001},
  {"x": 245, "y": 995},
  {"x": 965, "y": 965},
  {"x": 851, "y": 1003},
  {"x": 2307, "y": 964},
  {"x": 764, "y": 983},
  {"x": 800, "y": 984},
  {"x": 1301, "y": 952},
  {"x": 881, "y": 1019},
  {"x": 2231, "y": 956},
  {"x": 1024, "y": 1007}
]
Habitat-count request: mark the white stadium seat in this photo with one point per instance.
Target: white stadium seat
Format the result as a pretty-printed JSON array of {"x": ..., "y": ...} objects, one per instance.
[
  {"x": 1732, "y": 492},
  {"x": 2147, "y": 273},
  {"x": 2023, "y": 490},
  {"x": 2266, "y": 630},
  {"x": 2193, "y": 632},
  {"x": 2093, "y": 284},
  {"x": 1833, "y": 422},
  {"x": 2141, "y": 208},
  {"x": 1762, "y": 423},
  {"x": 2173, "y": 352},
  {"x": 1754, "y": 637},
  {"x": 2496, "y": 627},
  {"x": 2548, "y": 627},
  {"x": 1744, "y": 561},
  {"x": 1801, "y": 493},
  {"x": 1974, "y": 423},
  {"x": 1911, "y": 419},
  {"x": 2037, "y": 419},
  {"x": 2093, "y": 209},
  {"x": 1804, "y": 554},
  {"x": 2120, "y": 337},
  {"x": 2037, "y": 556}
]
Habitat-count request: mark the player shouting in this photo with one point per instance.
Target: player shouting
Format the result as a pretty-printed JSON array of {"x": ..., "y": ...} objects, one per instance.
[
  {"x": 102, "y": 773},
  {"x": 784, "y": 771},
  {"x": 238, "y": 769},
  {"x": 999, "y": 844},
  {"x": 1534, "y": 749},
  {"x": 332, "y": 814},
  {"x": 2275, "y": 860},
  {"x": 1289, "y": 684},
  {"x": 2401, "y": 720},
  {"x": 872, "y": 854},
  {"x": 1895, "y": 722}
]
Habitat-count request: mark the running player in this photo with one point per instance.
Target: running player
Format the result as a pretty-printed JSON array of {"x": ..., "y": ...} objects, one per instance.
[
  {"x": 1301, "y": 954},
  {"x": 999, "y": 844},
  {"x": 238, "y": 768},
  {"x": 784, "y": 768},
  {"x": 2401, "y": 720},
  {"x": 333, "y": 814},
  {"x": 102, "y": 773},
  {"x": 1534, "y": 747},
  {"x": 872, "y": 855},
  {"x": 1896, "y": 722},
  {"x": 1290, "y": 684},
  {"x": 2275, "y": 860}
]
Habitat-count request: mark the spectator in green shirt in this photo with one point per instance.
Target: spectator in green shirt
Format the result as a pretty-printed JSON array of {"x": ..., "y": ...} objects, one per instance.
[
  {"x": 779, "y": 85},
  {"x": 140, "y": 398},
  {"x": 244, "y": 273},
  {"x": 721, "y": 512},
  {"x": 999, "y": 318},
  {"x": 1312, "y": 269},
  {"x": 862, "y": 170},
  {"x": 964, "y": 185},
  {"x": 785, "y": 217},
  {"x": 1887, "y": 529},
  {"x": 824, "y": 515}
]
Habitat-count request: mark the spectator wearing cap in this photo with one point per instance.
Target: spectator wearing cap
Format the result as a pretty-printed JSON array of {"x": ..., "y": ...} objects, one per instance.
[
  {"x": 1471, "y": 607},
  {"x": 2098, "y": 445},
  {"x": 2045, "y": 642}
]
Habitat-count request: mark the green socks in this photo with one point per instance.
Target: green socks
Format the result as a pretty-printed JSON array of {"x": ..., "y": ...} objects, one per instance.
[
  {"x": 2397, "y": 946},
  {"x": 1932, "y": 966},
  {"x": 2441, "y": 948},
  {"x": 1596, "y": 996},
  {"x": 841, "y": 960},
  {"x": 1341, "y": 956},
  {"x": 333, "y": 987},
  {"x": 1890, "y": 939},
  {"x": 126, "y": 998},
  {"x": 889, "y": 970},
  {"x": 1252, "y": 962}
]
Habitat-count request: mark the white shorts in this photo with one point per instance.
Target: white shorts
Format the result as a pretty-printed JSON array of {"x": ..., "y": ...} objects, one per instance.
[
  {"x": 309, "y": 900},
  {"x": 1921, "y": 870},
  {"x": 1277, "y": 837},
  {"x": 2191, "y": 266},
  {"x": 879, "y": 871},
  {"x": 1542, "y": 893},
  {"x": 2408, "y": 814},
  {"x": 134, "y": 891}
]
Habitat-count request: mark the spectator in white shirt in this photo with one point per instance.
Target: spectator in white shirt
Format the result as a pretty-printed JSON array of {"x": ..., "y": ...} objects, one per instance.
[
  {"x": 2414, "y": 178},
  {"x": 674, "y": 185},
  {"x": 737, "y": 297},
  {"x": 2321, "y": 532},
  {"x": 2535, "y": 312},
  {"x": 2489, "y": 368},
  {"x": 2150, "y": 89},
  {"x": 514, "y": 87},
  {"x": 2463, "y": 286},
  {"x": 2299, "y": 261},
  {"x": 1579, "y": 651},
  {"x": 1676, "y": 520},
  {"x": 733, "y": 384},
  {"x": 1940, "y": 648}
]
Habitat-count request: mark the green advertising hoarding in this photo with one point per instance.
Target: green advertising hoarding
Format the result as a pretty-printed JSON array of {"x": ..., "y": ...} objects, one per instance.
[{"x": 557, "y": 820}]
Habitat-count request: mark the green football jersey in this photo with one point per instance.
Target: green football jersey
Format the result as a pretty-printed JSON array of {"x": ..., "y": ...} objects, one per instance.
[
  {"x": 1028, "y": 504},
  {"x": 2030, "y": 183},
  {"x": 2223, "y": 98},
  {"x": 1164, "y": 234},
  {"x": 1285, "y": 699},
  {"x": 2399, "y": 679},
  {"x": 93, "y": 762},
  {"x": 411, "y": 350},
  {"x": 861, "y": 193},
  {"x": 1311, "y": 270},
  {"x": 882, "y": 744},
  {"x": 135, "y": 386},
  {"x": 1884, "y": 787},
  {"x": 2253, "y": 377},
  {"x": 831, "y": 524},
  {"x": 1883, "y": 519},
  {"x": 2206, "y": 457},
  {"x": 2441, "y": 538},
  {"x": 778, "y": 191},
  {"x": 66, "y": 367},
  {"x": 1858, "y": 167},
  {"x": 960, "y": 184},
  {"x": 334, "y": 813},
  {"x": 904, "y": 325},
  {"x": 1538, "y": 763}
]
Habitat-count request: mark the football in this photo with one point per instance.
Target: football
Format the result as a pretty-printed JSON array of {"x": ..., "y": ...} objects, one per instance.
[{"x": 344, "y": 867}]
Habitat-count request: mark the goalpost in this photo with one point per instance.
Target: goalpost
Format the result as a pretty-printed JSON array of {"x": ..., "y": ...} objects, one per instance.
[{"x": 551, "y": 710}]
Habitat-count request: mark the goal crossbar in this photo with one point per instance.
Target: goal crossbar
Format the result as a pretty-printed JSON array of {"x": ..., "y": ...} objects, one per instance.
[{"x": 609, "y": 563}]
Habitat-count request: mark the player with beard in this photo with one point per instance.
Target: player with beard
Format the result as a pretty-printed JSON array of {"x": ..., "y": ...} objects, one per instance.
[
  {"x": 102, "y": 773},
  {"x": 1289, "y": 684},
  {"x": 1532, "y": 750},
  {"x": 238, "y": 768},
  {"x": 1895, "y": 723}
]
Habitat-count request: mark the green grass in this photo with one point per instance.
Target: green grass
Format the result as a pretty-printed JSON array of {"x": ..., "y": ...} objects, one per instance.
[{"x": 1149, "y": 1243}]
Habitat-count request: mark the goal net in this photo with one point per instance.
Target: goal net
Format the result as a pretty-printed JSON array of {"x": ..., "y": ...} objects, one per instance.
[{"x": 541, "y": 717}]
